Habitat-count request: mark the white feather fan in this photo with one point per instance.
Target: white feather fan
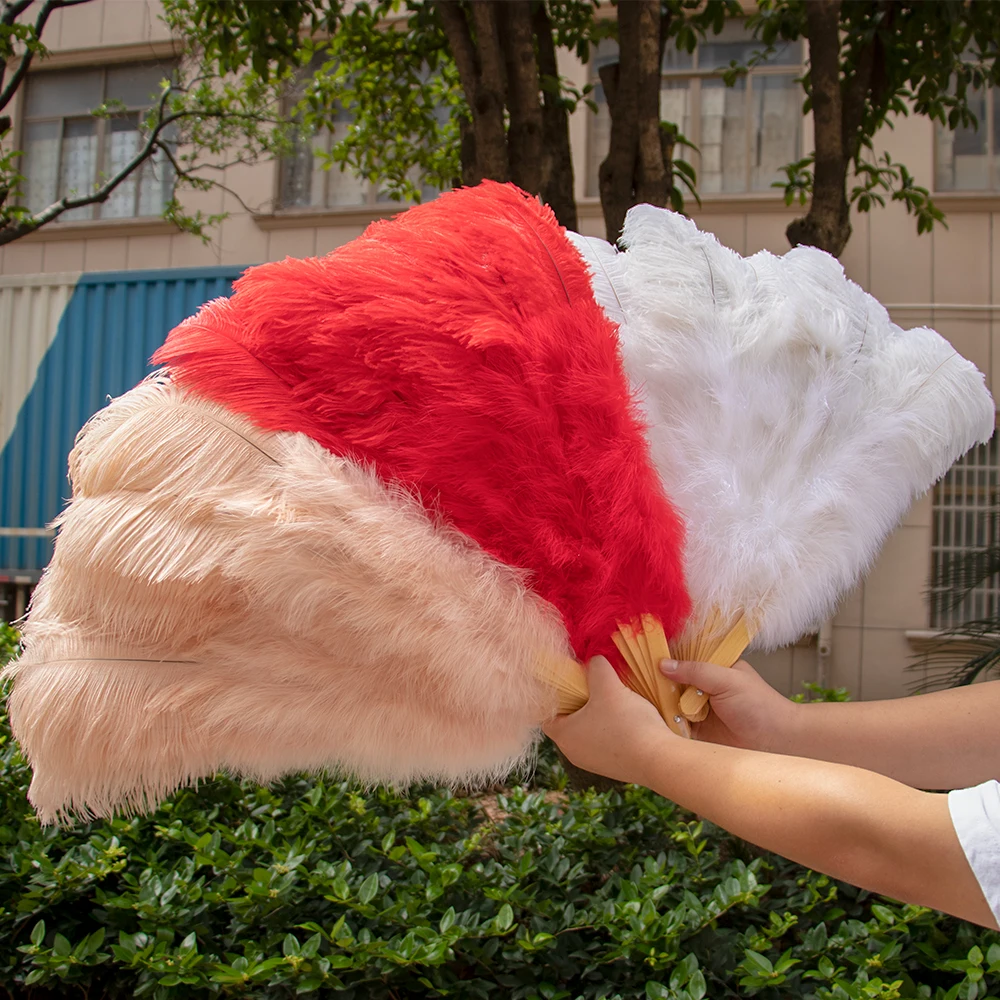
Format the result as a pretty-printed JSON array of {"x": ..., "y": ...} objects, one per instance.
[
  {"x": 194, "y": 536},
  {"x": 792, "y": 422}
]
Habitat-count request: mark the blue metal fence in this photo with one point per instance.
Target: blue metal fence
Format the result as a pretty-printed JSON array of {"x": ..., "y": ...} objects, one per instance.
[{"x": 110, "y": 327}]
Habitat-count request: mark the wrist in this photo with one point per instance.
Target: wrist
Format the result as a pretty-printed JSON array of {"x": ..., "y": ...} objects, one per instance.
[
  {"x": 660, "y": 755},
  {"x": 788, "y": 725}
]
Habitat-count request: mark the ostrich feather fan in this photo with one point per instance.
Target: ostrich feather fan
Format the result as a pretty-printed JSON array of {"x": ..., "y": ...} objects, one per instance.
[
  {"x": 791, "y": 421},
  {"x": 367, "y": 501}
]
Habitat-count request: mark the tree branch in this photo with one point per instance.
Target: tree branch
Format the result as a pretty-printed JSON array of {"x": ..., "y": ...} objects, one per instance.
[
  {"x": 189, "y": 175},
  {"x": 22, "y": 226},
  {"x": 22, "y": 67},
  {"x": 12, "y": 11}
]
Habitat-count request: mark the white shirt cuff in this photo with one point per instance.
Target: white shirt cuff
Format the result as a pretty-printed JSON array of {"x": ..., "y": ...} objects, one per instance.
[{"x": 975, "y": 813}]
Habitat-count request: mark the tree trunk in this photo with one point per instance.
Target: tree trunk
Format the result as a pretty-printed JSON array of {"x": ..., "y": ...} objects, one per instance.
[
  {"x": 827, "y": 224},
  {"x": 635, "y": 168},
  {"x": 504, "y": 51},
  {"x": 481, "y": 69},
  {"x": 557, "y": 157},
  {"x": 467, "y": 154},
  {"x": 524, "y": 133},
  {"x": 652, "y": 180}
]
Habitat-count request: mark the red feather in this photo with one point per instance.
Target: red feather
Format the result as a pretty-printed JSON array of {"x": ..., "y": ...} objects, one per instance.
[{"x": 459, "y": 350}]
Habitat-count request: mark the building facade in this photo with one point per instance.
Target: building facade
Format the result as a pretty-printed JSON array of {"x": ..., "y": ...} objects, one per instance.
[{"x": 949, "y": 279}]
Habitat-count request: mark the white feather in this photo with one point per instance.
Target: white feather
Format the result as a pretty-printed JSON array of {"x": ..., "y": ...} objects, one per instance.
[{"x": 792, "y": 422}]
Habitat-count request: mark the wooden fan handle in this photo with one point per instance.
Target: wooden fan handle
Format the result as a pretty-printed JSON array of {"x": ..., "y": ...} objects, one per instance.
[{"x": 694, "y": 702}]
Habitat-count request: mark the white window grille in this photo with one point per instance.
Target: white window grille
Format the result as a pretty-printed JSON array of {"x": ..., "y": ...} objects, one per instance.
[
  {"x": 744, "y": 134},
  {"x": 67, "y": 150},
  {"x": 966, "y": 518},
  {"x": 968, "y": 159}
]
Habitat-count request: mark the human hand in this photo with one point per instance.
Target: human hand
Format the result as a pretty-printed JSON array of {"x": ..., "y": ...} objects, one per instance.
[
  {"x": 746, "y": 711},
  {"x": 617, "y": 733}
]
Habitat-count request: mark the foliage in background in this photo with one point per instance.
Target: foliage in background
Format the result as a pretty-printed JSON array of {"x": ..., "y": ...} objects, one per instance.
[
  {"x": 816, "y": 692},
  {"x": 871, "y": 60},
  {"x": 534, "y": 893},
  {"x": 198, "y": 123},
  {"x": 399, "y": 86},
  {"x": 964, "y": 653},
  {"x": 9, "y": 639},
  {"x": 442, "y": 92}
]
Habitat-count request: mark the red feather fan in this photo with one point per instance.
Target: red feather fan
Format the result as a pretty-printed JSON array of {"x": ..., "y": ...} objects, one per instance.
[{"x": 458, "y": 351}]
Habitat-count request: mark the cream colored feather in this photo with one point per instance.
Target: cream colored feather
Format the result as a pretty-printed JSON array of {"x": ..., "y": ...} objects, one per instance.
[{"x": 224, "y": 598}]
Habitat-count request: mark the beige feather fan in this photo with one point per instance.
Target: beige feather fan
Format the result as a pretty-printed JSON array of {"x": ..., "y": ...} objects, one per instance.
[{"x": 193, "y": 537}]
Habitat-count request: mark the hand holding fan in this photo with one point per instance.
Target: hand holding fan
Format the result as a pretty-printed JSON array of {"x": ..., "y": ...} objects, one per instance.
[
  {"x": 791, "y": 421},
  {"x": 364, "y": 518}
]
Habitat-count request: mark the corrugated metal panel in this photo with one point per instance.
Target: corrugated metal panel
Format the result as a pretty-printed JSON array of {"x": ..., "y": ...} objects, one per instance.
[
  {"x": 30, "y": 310},
  {"x": 104, "y": 335}
]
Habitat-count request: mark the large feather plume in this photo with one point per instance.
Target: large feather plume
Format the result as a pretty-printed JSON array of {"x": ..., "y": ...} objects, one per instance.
[
  {"x": 459, "y": 351},
  {"x": 223, "y": 597},
  {"x": 792, "y": 422}
]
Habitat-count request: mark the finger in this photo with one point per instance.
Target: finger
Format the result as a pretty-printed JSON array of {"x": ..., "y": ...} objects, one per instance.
[{"x": 707, "y": 677}]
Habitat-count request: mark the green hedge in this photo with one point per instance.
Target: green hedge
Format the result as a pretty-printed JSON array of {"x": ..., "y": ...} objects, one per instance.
[{"x": 314, "y": 886}]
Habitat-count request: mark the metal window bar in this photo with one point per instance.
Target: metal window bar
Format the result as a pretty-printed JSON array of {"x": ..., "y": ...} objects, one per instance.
[{"x": 966, "y": 518}]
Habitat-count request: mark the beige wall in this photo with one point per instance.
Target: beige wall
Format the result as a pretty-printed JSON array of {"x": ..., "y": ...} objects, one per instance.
[{"x": 957, "y": 266}]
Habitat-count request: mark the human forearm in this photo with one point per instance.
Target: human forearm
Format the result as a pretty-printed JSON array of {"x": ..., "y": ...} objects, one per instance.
[
  {"x": 852, "y": 824},
  {"x": 947, "y": 739}
]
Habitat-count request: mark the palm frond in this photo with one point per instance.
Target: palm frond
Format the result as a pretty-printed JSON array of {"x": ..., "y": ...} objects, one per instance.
[
  {"x": 959, "y": 655},
  {"x": 961, "y": 574}
]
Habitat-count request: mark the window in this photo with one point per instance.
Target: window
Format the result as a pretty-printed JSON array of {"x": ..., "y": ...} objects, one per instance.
[
  {"x": 67, "y": 150},
  {"x": 968, "y": 159},
  {"x": 966, "y": 518},
  {"x": 305, "y": 182},
  {"x": 744, "y": 134}
]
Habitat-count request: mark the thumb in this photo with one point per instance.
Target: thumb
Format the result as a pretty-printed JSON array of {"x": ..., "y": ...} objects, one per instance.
[
  {"x": 707, "y": 677},
  {"x": 602, "y": 677}
]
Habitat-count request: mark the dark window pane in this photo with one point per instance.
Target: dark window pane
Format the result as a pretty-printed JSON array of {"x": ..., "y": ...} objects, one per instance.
[
  {"x": 136, "y": 86},
  {"x": 41, "y": 163},
  {"x": 56, "y": 95}
]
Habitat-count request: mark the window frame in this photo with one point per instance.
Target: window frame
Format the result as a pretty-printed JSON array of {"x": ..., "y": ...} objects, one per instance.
[
  {"x": 103, "y": 129},
  {"x": 372, "y": 201},
  {"x": 696, "y": 75},
  {"x": 992, "y": 154},
  {"x": 974, "y": 477}
]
